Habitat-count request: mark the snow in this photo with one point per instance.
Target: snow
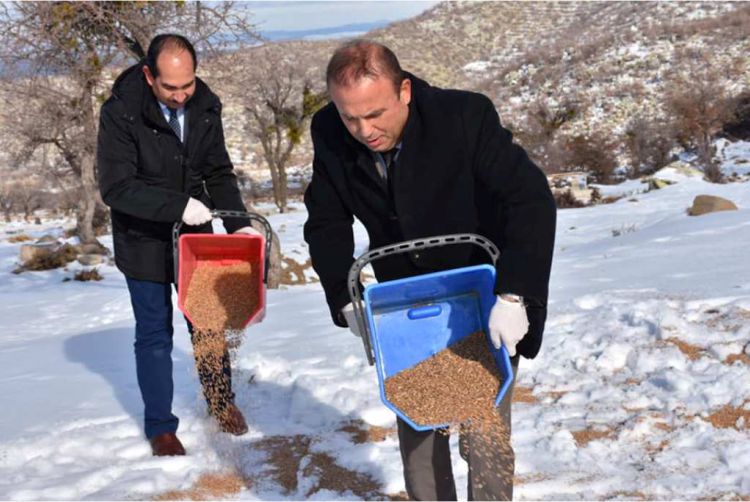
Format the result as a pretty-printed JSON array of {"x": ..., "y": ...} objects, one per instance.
[
  {"x": 622, "y": 311},
  {"x": 735, "y": 156},
  {"x": 477, "y": 66}
]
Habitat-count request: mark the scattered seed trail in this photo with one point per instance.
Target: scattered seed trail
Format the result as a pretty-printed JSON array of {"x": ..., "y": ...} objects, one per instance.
[{"x": 219, "y": 299}]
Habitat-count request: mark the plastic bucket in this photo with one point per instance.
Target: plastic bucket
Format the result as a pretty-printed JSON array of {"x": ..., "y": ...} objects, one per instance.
[
  {"x": 412, "y": 319},
  {"x": 220, "y": 251}
]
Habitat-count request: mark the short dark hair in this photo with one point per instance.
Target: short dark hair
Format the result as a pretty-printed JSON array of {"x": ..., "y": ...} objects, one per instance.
[
  {"x": 360, "y": 58},
  {"x": 168, "y": 41}
]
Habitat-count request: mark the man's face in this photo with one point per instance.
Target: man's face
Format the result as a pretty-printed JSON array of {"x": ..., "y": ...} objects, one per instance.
[
  {"x": 175, "y": 84},
  {"x": 373, "y": 111}
]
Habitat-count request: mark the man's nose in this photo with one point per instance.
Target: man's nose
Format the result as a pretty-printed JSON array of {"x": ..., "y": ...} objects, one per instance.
[{"x": 365, "y": 128}]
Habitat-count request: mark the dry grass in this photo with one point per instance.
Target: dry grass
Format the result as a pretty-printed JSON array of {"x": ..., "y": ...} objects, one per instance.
[
  {"x": 397, "y": 496},
  {"x": 624, "y": 495},
  {"x": 564, "y": 199},
  {"x": 293, "y": 272},
  {"x": 88, "y": 275},
  {"x": 692, "y": 352},
  {"x": 611, "y": 199},
  {"x": 19, "y": 238},
  {"x": 741, "y": 357},
  {"x": 654, "y": 449},
  {"x": 731, "y": 320},
  {"x": 210, "y": 486},
  {"x": 663, "y": 426},
  {"x": 57, "y": 259},
  {"x": 726, "y": 496},
  {"x": 727, "y": 416}
]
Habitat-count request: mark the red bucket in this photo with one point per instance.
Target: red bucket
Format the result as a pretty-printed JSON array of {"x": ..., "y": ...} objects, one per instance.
[{"x": 220, "y": 250}]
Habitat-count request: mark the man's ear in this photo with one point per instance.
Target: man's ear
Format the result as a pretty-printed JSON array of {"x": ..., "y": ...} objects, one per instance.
[
  {"x": 149, "y": 77},
  {"x": 405, "y": 91}
]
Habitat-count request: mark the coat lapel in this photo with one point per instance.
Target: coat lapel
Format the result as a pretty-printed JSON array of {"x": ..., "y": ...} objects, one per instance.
[
  {"x": 409, "y": 166},
  {"x": 152, "y": 112},
  {"x": 364, "y": 165}
]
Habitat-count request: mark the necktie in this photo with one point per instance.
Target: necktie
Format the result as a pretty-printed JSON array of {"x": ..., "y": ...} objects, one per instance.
[
  {"x": 174, "y": 123},
  {"x": 389, "y": 159}
]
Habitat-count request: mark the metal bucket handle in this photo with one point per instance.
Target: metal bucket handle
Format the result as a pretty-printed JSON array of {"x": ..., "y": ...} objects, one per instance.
[
  {"x": 217, "y": 213},
  {"x": 398, "y": 248}
]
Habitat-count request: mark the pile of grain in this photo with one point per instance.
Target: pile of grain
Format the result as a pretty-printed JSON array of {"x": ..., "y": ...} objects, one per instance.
[
  {"x": 458, "y": 386},
  {"x": 455, "y": 385},
  {"x": 220, "y": 298}
]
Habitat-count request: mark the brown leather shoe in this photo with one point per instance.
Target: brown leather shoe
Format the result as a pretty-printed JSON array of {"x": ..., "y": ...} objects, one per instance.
[
  {"x": 232, "y": 421},
  {"x": 166, "y": 445}
]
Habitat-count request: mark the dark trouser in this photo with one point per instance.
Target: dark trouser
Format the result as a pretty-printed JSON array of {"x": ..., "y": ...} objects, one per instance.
[
  {"x": 427, "y": 460},
  {"x": 152, "y": 308}
]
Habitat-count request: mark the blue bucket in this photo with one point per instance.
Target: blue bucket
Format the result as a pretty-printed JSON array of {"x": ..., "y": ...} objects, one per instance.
[{"x": 410, "y": 320}]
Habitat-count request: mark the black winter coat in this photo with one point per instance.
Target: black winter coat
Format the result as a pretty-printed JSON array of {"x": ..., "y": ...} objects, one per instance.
[
  {"x": 146, "y": 175},
  {"x": 458, "y": 171}
]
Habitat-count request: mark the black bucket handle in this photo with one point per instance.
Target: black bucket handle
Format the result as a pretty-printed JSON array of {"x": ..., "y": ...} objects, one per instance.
[
  {"x": 398, "y": 248},
  {"x": 220, "y": 213}
]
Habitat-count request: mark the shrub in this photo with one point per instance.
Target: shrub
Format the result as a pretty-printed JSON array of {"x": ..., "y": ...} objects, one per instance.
[
  {"x": 565, "y": 199},
  {"x": 19, "y": 238},
  {"x": 58, "y": 258},
  {"x": 738, "y": 126},
  {"x": 649, "y": 145},
  {"x": 593, "y": 153},
  {"x": 700, "y": 107},
  {"x": 88, "y": 275}
]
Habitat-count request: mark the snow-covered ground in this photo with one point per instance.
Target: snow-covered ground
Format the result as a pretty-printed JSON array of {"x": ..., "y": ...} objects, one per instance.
[{"x": 641, "y": 390}]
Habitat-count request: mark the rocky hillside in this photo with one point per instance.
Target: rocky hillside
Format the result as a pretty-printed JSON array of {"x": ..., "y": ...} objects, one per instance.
[
  {"x": 610, "y": 61},
  {"x": 619, "y": 61},
  {"x": 595, "y": 67}
]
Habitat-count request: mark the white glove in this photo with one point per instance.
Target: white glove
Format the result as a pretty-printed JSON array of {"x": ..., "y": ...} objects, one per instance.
[
  {"x": 196, "y": 213},
  {"x": 248, "y": 231},
  {"x": 351, "y": 320},
  {"x": 508, "y": 324}
]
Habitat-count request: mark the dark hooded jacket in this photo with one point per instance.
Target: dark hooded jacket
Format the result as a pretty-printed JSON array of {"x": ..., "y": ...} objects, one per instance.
[
  {"x": 458, "y": 171},
  {"x": 146, "y": 175}
]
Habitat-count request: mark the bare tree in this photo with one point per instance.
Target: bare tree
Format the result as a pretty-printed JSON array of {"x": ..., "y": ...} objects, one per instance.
[
  {"x": 700, "y": 105},
  {"x": 649, "y": 145},
  {"x": 280, "y": 100},
  {"x": 593, "y": 153},
  {"x": 539, "y": 133},
  {"x": 29, "y": 196},
  {"x": 54, "y": 65},
  {"x": 7, "y": 204}
]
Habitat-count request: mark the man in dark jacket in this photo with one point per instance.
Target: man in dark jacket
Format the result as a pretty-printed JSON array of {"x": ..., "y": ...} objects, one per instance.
[
  {"x": 162, "y": 159},
  {"x": 411, "y": 161}
]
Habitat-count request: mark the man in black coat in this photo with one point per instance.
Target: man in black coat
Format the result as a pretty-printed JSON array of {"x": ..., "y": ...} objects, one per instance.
[
  {"x": 162, "y": 159},
  {"x": 411, "y": 161}
]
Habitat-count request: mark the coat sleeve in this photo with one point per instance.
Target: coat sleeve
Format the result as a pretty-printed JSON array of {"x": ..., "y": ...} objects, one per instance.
[
  {"x": 220, "y": 179},
  {"x": 117, "y": 161},
  {"x": 328, "y": 232},
  {"x": 526, "y": 210}
]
